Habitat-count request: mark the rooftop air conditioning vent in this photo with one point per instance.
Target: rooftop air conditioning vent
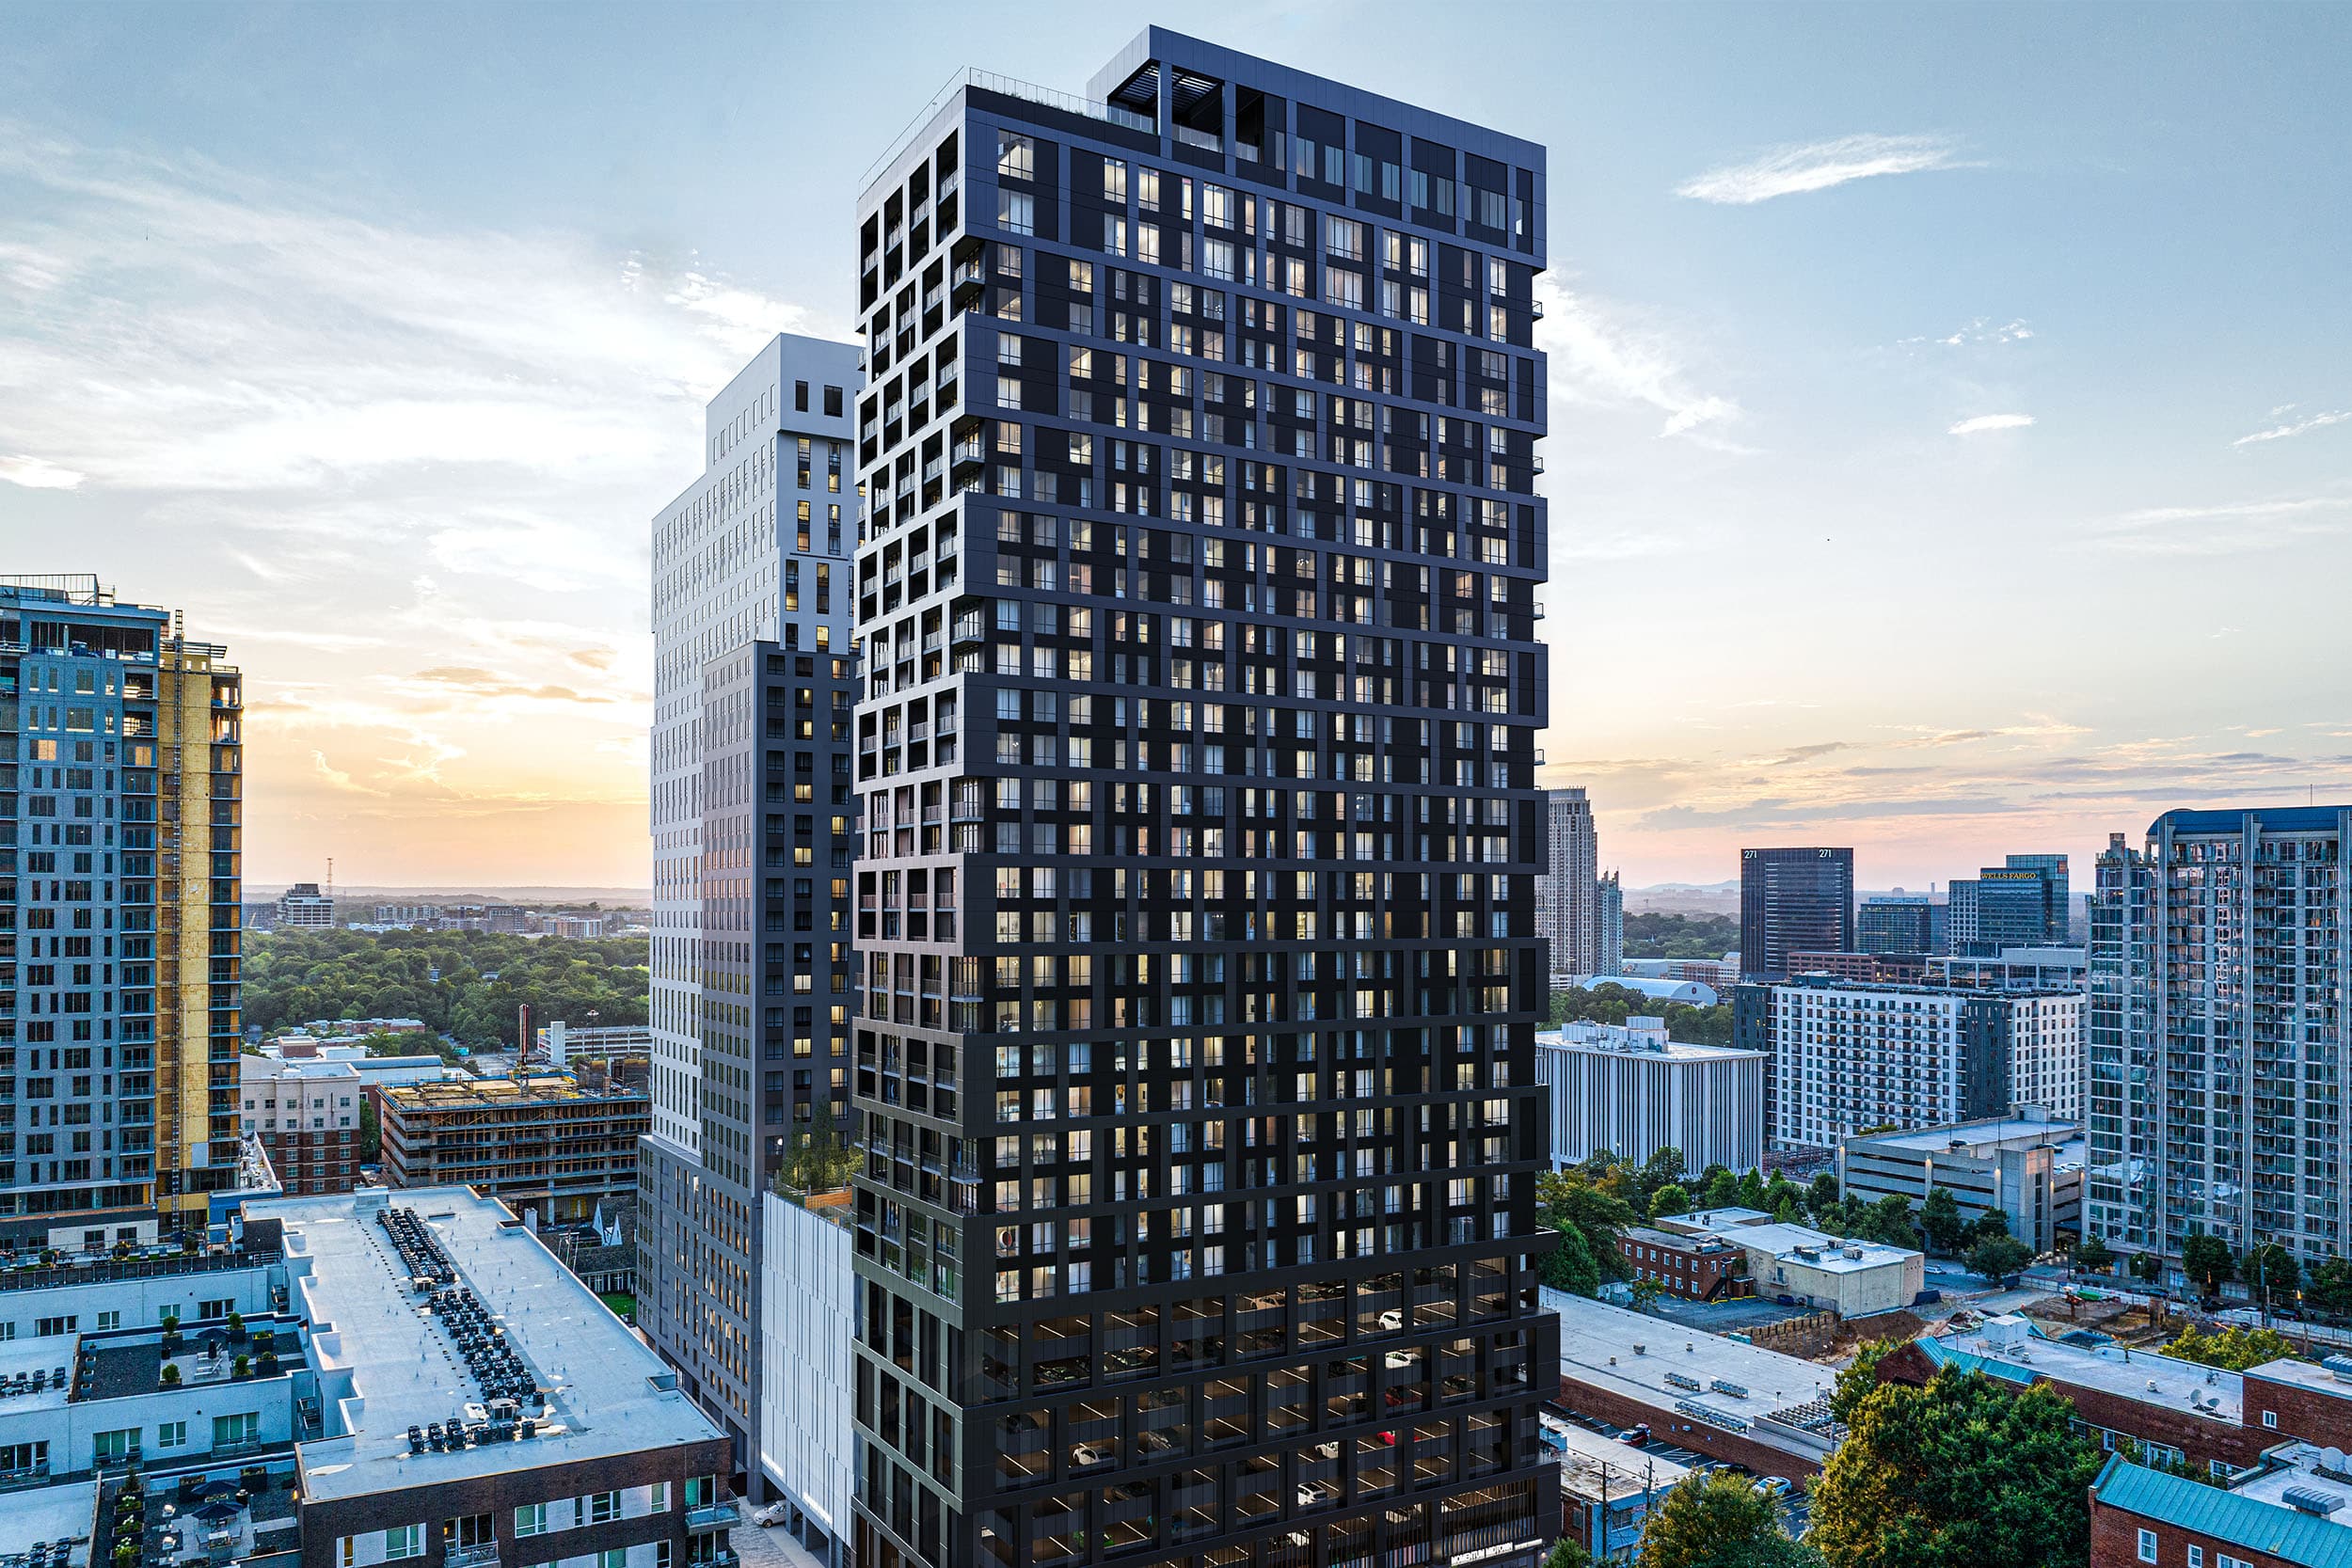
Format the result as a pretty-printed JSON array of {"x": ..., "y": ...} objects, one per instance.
[{"x": 2306, "y": 1499}]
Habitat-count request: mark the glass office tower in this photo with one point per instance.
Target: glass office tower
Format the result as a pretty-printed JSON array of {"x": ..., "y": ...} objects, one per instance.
[{"x": 1196, "y": 901}]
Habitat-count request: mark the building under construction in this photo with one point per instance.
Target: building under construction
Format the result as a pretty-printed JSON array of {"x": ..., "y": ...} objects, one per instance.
[{"x": 544, "y": 1141}]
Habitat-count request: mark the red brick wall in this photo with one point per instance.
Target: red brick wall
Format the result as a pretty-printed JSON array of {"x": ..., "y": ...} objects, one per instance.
[
  {"x": 2115, "y": 1543},
  {"x": 2201, "y": 1438},
  {"x": 1669, "y": 1425},
  {"x": 2314, "y": 1415}
]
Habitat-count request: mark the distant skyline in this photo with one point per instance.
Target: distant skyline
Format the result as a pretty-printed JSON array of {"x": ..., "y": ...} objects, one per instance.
[{"x": 1952, "y": 407}]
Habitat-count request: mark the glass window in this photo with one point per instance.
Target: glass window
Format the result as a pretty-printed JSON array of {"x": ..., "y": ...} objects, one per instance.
[
  {"x": 403, "y": 1540},
  {"x": 531, "y": 1519},
  {"x": 1017, "y": 156}
]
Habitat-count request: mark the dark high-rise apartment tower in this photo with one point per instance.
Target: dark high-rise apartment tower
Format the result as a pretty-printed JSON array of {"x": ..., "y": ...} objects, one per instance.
[
  {"x": 1568, "y": 891},
  {"x": 2025, "y": 903},
  {"x": 1196, "y": 905},
  {"x": 2217, "y": 1053},
  {"x": 121, "y": 804},
  {"x": 752, "y": 820},
  {"x": 1793, "y": 901}
]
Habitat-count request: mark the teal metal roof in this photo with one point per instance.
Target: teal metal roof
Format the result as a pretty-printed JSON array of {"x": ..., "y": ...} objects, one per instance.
[
  {"x": 2304, "y": 1539},
  {"x": 1969, "y": 1361}
]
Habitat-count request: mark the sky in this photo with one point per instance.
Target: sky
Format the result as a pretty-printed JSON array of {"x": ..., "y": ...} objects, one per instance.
[{"x": 1951, "y": 441}]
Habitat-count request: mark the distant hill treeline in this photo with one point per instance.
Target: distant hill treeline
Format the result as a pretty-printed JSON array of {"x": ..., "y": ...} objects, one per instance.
[{"x": 294, "y": 976}]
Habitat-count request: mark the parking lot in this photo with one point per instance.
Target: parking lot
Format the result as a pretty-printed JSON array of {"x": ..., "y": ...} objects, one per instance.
[{"x": 1792, "y": 1504}]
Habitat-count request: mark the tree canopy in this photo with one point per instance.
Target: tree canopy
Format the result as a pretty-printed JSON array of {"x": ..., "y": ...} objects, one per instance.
[
  {"x": 1605, "y": 1002},
  {"x": 1939, "y": 1216},
  {"x": 2234, "y": 1349},
  {"x": 1960, "y": 1474},
  {"x": 1654, "y": 934},
  {"x": 1717, "y": 1520},
  {"x": 1591, "y": 1211},
  {"x": 2206, "y": 1259},
  {"x": 294, "y": 976},
  {"x": 1995, "y": 1257}
]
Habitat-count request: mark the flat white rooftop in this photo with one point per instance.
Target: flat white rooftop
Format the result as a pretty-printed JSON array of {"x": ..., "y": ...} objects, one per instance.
[
  {"x": 1976, "y": 1135},
  {"x": 58, "y": 1512},
  {"x": 1830, "y": 1254},
  {"x": 2133, "y": 1374},
  {"x": 1669, "y": 1051},
  {"x": 2303, "y": 1472},
  {"x": 605, "y": 1389},
  {"x": 1597, "y": 1346},
  {"x": 21, "y": 1358}
]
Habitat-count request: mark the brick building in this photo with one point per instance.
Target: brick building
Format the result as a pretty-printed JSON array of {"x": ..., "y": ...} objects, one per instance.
[
  {"x": 2287, "y": 1515},
  {"x": 2219, "y": 1422},
  {"x": 1696, "y": 1268},
  {"x": 545, "y": 1143},
  {"x": 1723, "y": 1398},
  {"x": 305, "y": 1115}
]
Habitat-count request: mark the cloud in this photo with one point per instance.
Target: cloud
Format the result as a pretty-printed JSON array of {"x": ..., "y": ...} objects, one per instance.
[
  {"x": 1604, "y": 355},
  {"x": 335, "y": 778},
  {"x": 1978, "y": 333},
  {"x": 2279, "y": 433},
  {"x": 1795, "y": 170},
  {"x": 2219, "y": 529},
  {"x": 33, "y": 473},
  {"x": 1983, "y": 422}
]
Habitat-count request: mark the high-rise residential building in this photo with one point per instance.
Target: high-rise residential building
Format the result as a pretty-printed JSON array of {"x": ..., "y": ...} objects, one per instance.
[
  {"x": 1850, "y": 1055},
  {"x": 1791, "y": 901},
  {"x": 303, "y": 907},
  {"x": 1567, "y": 892},
  {"x": 2025, "y": 903},
  {"x": 1196, "y": 899},
  {"x": 121, "y": 794},
  {"x": 1612, "y": 958},
  {"x": 2218, "y": 962},
  {"x": 751, "y": 840},
  {"x": 1896, "y": 923}
]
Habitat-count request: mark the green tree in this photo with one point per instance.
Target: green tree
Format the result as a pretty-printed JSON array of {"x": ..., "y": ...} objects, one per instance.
[
  {"x": 1662, "y": 1170},
  {"x": 1859, "y": 1378},
  {"x": 1753, "y": 1194},
  {"x": 2148, "y": 1267},
  {"x": 2234, "y": 1349},
  {"x": 2093, "y": 1255},
  {"x": 1655, "y": 934},
  {"x": 1888, "y": 1220},
  {"x": 1960, "y": 1474},
  {"x": 1999, "y": 1257},
  {"x": 2330, "y": 1287},
  {"x": 1567, "y": 1553},
  {"x": 1821, "y": 1193},
  {"x": 1647, "y": 1291},
  {"x": 1788, "y": 1212},
  {"x": 818, "y": 1161},
  {"x": 2205, "y": 1259},
  {"x": 1724, "y": 1191},
  {"x": 1708, "y": 1521},
  {"x": 2270, "y": 1271},
  {"x": 1939, "y": 1216},
  {"x": 371, "y": 1131},
  {"x": 1669, "y": 1200},
  {"x": 1575, "y": 1200},
  {"x": 1570, "y": 1266},
  {"x": 1991, "y": 1223}
]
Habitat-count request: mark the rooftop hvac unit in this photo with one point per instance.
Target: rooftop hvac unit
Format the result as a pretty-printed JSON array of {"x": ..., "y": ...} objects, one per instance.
[
  {"x": 1724, "y": 1386},
  {"x": 2341, "y": 1365},
  {"x": 2305, "y": 1500}
]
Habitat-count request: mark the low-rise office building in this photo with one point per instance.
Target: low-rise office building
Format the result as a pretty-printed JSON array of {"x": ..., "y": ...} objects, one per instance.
[
  {"x": 1696, "y": 1268},
  {"x": 1629, "y": 1090},
  {"x": 1724, "y": 1398},
  {"x": 2027, "y": 1169},
  {"x": 306, "y": 1115},
  {"x": 543, "y": 1143},
  {"x": 1812, "y": 1268}
]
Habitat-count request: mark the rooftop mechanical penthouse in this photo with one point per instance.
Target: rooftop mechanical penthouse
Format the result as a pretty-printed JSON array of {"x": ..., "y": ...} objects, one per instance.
[{"x": 1195, "y": 756}]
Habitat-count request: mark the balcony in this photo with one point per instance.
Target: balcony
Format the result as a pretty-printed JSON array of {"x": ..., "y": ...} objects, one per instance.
[
  {"x": 484, "y": 1554},
  {"x": 722, "y": 1514}
]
